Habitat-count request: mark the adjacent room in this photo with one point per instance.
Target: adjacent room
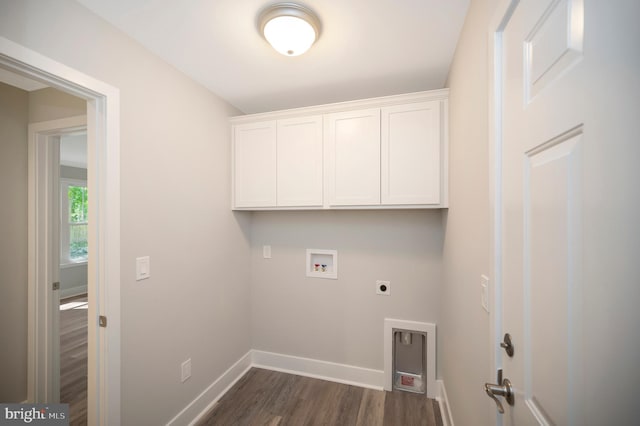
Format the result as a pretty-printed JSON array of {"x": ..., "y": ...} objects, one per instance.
[{"x": 325, "y": 212}]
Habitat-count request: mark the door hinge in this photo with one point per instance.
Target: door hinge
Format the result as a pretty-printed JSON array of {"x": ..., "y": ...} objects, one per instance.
[
  {"x": 102, "y": 321},
  {"x": 55, "y": 286}
]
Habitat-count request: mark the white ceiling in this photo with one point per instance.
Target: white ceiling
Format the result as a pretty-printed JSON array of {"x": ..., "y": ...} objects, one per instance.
[{"x": 367, "y": 48}]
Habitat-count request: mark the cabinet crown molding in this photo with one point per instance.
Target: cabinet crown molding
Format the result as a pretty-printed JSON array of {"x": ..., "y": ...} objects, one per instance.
[{"x": 379, "y": 102}]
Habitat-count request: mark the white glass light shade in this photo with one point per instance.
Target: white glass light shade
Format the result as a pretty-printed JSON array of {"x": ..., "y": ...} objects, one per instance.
[
  {"x": 291, "y": 29},
  {"x": 289, "y": 35}
]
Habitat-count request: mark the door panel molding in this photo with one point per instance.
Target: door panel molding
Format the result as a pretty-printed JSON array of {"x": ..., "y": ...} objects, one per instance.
[
  {"x": 552, "y": 240},
  {"x": 554, "y": 45}
]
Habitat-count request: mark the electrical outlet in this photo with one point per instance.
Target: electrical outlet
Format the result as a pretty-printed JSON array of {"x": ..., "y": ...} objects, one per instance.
[
  {"x": 484, "y": 292},
  {"x": 185, "y": 370},
  {"x": 383, "y": 288}
]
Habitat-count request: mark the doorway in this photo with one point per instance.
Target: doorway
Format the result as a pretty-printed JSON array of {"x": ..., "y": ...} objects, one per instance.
[
  {"x": 74, "y": 257},
  {"x": 103, "y": 392}
]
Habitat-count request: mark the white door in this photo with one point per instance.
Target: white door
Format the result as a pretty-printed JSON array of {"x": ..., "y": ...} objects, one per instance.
[
  {"x": 53, "y": 287},
  {"x": 411, "y": 154},
  {"x": 353, "y": 157},
  {"x": 44, "y": 269},
  {"x": 570, "y": 210},
  {"x": 254, "y": 164},
  {"x": 299, "y": 162}
]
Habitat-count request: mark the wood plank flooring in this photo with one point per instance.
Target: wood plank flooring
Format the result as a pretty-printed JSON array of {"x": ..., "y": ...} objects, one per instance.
[
  {"x": 270, "y": 398},
  {"x": 73, "y": 357}
]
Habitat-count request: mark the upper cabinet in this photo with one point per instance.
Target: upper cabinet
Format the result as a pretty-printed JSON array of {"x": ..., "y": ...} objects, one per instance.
[
  {"x": 411, "y": 154},
  {"x": 254, "y": 165},
  {"x": 278, "y": 163},
  {"x": 299, "y": 162},
  {"x": 353, "y": 157},
  {"x": 379, "y": 153}
]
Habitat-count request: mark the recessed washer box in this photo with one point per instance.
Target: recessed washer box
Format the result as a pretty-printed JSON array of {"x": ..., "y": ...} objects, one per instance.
[{"x": 322, "y": 263}]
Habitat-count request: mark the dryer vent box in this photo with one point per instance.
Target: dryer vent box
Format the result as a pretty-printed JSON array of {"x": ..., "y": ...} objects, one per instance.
[{"x": 409, "y": 360}]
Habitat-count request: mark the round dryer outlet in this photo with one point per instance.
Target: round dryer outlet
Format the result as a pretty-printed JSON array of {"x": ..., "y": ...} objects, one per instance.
[{"x": 383, "y": 288}]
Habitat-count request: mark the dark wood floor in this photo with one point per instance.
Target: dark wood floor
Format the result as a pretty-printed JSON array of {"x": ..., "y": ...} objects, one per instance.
[
  {"x": 270, "y": 398},
  {"x": 73, "y": 357}
]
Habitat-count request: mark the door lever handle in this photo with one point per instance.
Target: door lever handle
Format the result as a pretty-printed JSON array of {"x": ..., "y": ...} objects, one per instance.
[{"x": 503, "y": 388}]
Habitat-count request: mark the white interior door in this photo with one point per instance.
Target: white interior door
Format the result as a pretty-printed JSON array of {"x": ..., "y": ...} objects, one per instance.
[
  {"x": 54, "y": 265},
  {"x": 44, "y": 257},
  {"x": 570, "y": 209}
]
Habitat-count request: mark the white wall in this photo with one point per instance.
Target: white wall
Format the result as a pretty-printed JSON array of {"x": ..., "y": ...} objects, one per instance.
[
  {"x": 175, "y": 208},
  {"x": 51, "y": 104},
  {"x": 14, "y": 109},
  {"x": 464, "y": 338},
  {"x": 342, "y": 320},
  {"x": 73, "y": 280}
]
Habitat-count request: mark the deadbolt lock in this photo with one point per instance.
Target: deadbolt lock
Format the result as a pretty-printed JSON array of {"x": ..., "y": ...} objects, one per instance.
[{"x": 507, "y": 345}]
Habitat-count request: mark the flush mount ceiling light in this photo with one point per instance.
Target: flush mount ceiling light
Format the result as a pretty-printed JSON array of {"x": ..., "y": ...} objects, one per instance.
[{"x": 290, "y": 28}]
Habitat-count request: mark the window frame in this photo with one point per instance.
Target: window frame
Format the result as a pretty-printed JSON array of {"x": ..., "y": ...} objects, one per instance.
[{"x": 65, "y": 226}]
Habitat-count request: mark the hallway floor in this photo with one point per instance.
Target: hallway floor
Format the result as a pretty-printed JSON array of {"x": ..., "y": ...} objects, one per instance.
[{"x": 73, "y": 357}]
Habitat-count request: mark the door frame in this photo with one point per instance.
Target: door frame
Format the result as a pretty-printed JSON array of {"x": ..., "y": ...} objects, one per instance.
[
  {"x": 43, "y": 365},
  {"x": 497, "y": 24},
  {"x": 103, "y": 156}
]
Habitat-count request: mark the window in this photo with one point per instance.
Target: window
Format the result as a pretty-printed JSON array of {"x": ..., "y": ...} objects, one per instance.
[{"x": 73, "y": 221}]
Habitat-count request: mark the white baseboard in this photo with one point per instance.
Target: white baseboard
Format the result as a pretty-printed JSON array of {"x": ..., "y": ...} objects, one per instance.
[
  {"x": 205, "y": 401},
  {"x": 445, "y": 408},
  {"x": 331, "y": 371},
  {"x": 334, "y": 372},
  {"x": 73, "y": 291}
]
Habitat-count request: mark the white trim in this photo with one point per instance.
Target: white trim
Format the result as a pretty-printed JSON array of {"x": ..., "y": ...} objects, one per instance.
[
  {"x": 324, "y": 370},
  {"x": 307, "y": 367},
  {"x": 73, "y": 291},
  {"x": 43, "y": 380},
  {"x": 65, "y": 227},
  {"x": 444, "y": 160},
  {"x": 443, "y": 402},
  {"x": 203, "y": 403},
  {"x": 370, "y": 207},
  {"x": 73, "y": 264},
  {"x": 430, "y": 329},
  {"x": 497, "y": 24},
  {"x": 385, "y": 101},
  {"x": 317, "y": 369},
  {"x": 103, "y": 143}
]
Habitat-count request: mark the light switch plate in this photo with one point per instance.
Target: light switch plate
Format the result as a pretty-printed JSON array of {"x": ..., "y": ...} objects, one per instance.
[
  {"x": 484, "y": 292},
  {"x": 185, "y": 370},
  {"x": 266, "y": 252},
  {"x": 143, "y": 268}
]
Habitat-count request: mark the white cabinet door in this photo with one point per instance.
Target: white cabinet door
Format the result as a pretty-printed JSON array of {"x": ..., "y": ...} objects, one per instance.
[
  {"x": 410, "y": 164},
  {"x": 353, "y": 157},
  {"x": 299, "y": 162},
  {"x": 254, "y": 159}
]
